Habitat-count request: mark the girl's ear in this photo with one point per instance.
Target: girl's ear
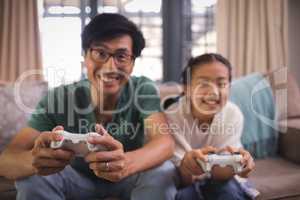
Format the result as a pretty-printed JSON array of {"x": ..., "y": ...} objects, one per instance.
[{"x": 187, "y": 90}]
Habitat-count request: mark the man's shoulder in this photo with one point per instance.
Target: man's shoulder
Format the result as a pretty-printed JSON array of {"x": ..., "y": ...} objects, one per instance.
[
  {"x": 73, "y": 85},
  {"x": 140, "y": 80},
  {"x": 68, "y": 89},
  {"x": 143, "y": 85}
]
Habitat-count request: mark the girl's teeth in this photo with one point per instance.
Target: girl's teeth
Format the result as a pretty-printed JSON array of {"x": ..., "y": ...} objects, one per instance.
[{"x": 211, "y": 102}]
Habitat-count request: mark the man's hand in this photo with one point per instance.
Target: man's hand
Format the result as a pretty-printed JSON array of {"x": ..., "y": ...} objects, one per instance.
[
  {"x": 48, "y": 161},
  {"x": 112, "y": 164},
  {"x": 189, "y": 165},
  {"x": 247, "y": 160}
]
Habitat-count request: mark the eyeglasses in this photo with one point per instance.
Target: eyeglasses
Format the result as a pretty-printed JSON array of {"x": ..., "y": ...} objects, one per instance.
[{"x": 102, "y": 56}]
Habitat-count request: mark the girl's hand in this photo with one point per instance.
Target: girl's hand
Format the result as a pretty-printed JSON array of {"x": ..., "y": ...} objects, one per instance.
[
  {"x": 247, "y": 160},
  {"x": 189, "y": 164}
]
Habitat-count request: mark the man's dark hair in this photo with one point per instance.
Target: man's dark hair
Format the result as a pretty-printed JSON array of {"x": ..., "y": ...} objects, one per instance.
[
  {"x": 109, "y": 26},
  {"x": 204, "y": 59}
]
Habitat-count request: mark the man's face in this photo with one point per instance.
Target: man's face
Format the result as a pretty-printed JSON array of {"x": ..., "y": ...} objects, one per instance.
[
  {"x": 109, "y": 64},
  {"x": 209, "y": 88}
]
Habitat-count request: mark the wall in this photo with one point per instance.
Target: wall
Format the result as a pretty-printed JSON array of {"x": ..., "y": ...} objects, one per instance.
[{"x": 294, "y": 37}]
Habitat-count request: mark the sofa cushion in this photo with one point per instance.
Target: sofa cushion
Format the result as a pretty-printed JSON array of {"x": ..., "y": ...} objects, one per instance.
[
  {"x": 253, "y": 95},
  {"x": 276, "y": 178},
  {"x": 18, "y": 101}
]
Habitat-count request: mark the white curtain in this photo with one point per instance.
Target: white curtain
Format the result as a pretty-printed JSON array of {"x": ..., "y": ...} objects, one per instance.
[
  {"x": 252, "y": 34},
  {"x": 20, "y": 49}
]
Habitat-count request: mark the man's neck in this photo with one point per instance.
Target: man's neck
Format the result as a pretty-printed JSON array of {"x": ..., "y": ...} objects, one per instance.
[{"x": 103, "y": 101}]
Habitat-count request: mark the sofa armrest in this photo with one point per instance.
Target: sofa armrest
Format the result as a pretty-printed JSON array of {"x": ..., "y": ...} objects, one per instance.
[{"x": 289, "y": 139}]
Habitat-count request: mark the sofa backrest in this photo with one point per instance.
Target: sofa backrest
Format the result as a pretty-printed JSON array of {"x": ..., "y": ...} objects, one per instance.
[
  {"x": 17, "y": 101},
  {"x": 286, "y": 93}
]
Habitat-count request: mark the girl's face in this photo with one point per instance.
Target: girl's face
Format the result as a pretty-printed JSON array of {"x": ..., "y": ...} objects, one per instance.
[{"x": 208, "y": 89}]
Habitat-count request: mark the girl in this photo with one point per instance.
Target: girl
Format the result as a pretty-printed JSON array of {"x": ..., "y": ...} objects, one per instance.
[{"x": 203, "y": 121}]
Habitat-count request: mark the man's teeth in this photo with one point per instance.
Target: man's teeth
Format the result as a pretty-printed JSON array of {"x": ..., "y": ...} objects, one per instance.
[{"x": 108, "y": 78}]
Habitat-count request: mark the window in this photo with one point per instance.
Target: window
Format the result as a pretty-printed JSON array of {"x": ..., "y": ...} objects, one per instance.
[
  {"x": 61, "y": 24},
  {"x": 203, "y": 27},
  {"x": 148, "y": 18}
]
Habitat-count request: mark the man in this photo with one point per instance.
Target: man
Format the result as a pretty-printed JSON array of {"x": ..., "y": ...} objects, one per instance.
[{"x": 125, "y": 110}]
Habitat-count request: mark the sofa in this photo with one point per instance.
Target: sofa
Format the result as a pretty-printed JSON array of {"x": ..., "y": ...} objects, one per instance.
[
  {"x": 275, "y": 176},
  {"x": 15, "y": 111}
]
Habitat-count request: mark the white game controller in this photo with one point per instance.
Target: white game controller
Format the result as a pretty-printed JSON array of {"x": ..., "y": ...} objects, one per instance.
[
  {"x": 223, "y": 160},
  {"x": 77, "y": 143}
]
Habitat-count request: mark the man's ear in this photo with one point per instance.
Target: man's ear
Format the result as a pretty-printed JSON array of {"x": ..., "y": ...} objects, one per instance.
[
  {"x": 131, "y": 70},
  {"x": 85, "y": 55}
]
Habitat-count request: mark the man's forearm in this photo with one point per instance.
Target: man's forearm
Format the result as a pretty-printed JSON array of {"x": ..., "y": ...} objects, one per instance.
[
  {"x": 155, "y": 152},
  {"x": 15, "y": 165}
]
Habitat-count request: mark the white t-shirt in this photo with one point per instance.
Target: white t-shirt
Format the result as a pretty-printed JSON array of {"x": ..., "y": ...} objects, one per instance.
[{"x": 225, "y": 129}]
